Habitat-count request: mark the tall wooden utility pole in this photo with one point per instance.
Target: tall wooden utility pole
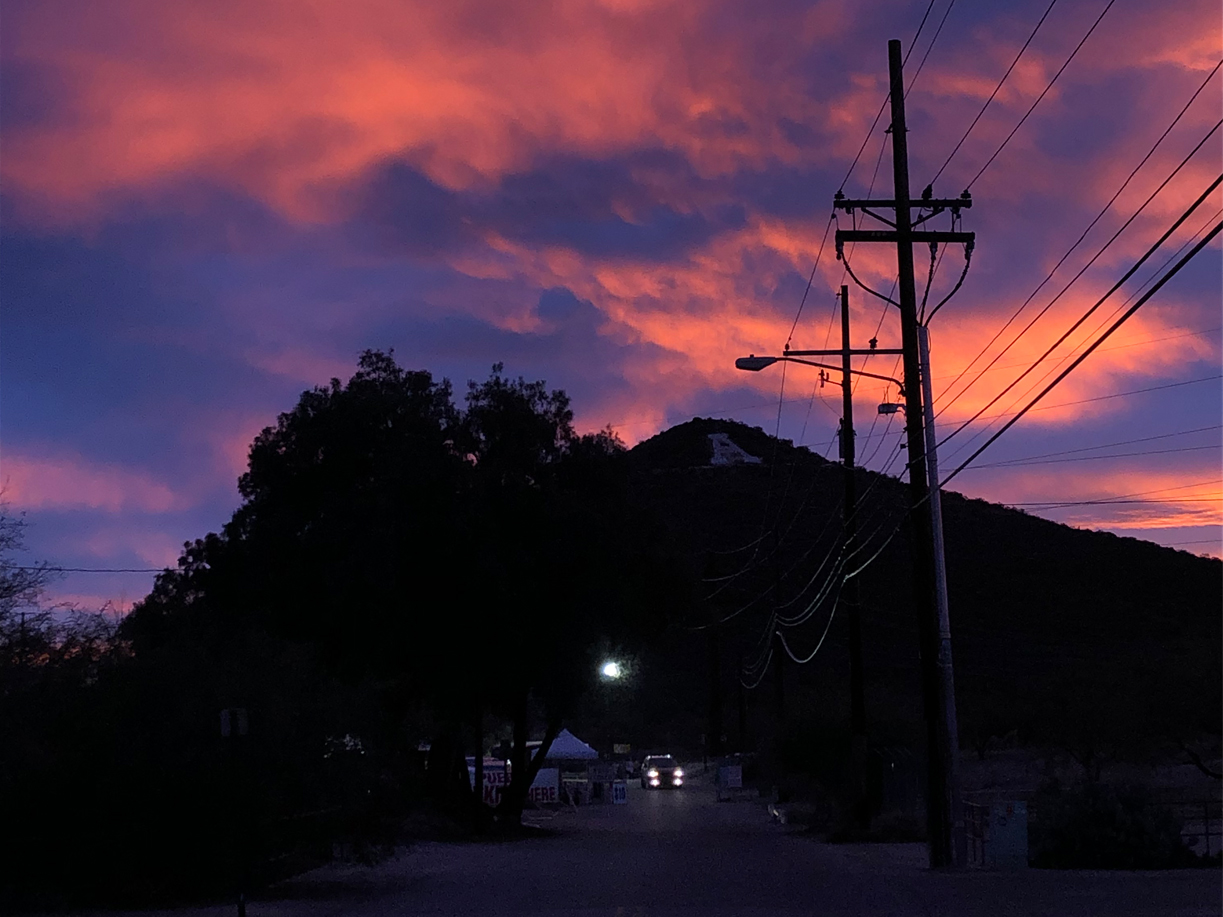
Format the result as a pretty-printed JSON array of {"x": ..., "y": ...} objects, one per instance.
[
  {"x": 849, "y": 590},
  {"x": 944, "y": 818}
]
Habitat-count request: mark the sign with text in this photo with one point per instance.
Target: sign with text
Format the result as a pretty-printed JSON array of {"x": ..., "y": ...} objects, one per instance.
[{"x": 544, "y": 789}]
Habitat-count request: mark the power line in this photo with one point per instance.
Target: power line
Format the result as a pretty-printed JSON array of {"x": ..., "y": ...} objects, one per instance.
[
  {"x": 1096, "y": 458},
  {"x": 1092, "y": 261},
  {"x": 1198, "y": 332},
  {"x": 1070, "y": 353},
  {"x": 929, "y": 48},
  {"x": 1124, "y": 442},
  {"x": 810, "y": 279},
  {"x": 1055, "y": 505},
  {"x": 1090, "y": 225},
  {"x": 53, "y": 569},
  {"x": 878, "y": 115},
  {"x": 1136, "y": 391},
  {"x": 1083, "y": 41},
  {"x": 994, "y": 93},
  {"x": 1172, "y": 272},
  {"x": 1168, "y": 490},
  {"x": 832, "y": 316},
  {"x": 1077, "y": 324}
]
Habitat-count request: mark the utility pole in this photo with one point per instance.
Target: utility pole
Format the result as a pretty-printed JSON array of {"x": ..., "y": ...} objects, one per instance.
[
  {"x": 741, "y": 698},
  {"x": 713, "y": 742},
  {"x": 849, "y": 591},
  {"x": 943, "y": 814},
  {"x": 779, "y": 655},
  {"x": 946, "y": 676},
  {"x": 779, "y": 717}
]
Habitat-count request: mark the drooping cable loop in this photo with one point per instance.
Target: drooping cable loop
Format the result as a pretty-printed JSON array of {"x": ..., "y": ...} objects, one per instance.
[
  {"x": 968, "y": 248},
  {"x": 849, "y": 270}
]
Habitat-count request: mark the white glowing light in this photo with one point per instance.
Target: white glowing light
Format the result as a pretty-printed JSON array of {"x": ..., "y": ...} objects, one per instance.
[{"x": 612, "y": 670}]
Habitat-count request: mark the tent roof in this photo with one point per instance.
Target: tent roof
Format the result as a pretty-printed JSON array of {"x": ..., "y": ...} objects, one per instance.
[{"x": 568, "y": 747}]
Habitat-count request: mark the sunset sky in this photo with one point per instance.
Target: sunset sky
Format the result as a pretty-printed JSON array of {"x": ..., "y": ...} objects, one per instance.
[{"x": 208, "y": 207}]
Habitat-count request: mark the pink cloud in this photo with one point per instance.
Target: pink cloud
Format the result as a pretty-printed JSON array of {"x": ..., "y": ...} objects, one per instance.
[{"x": 71, "y": 482}]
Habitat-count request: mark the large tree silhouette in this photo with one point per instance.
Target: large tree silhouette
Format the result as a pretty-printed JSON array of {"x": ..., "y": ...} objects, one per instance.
[{"x": 469, "y": 557}]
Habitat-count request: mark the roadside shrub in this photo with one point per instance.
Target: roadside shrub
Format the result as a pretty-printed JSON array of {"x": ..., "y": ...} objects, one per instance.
[{"x": 1093, "y": 826}]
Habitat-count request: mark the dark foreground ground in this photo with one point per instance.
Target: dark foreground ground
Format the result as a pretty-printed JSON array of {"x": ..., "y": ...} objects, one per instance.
[{"x": 684, "y": 854}]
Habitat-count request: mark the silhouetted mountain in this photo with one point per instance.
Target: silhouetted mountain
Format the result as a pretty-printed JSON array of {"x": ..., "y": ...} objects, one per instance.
[{"x": 1075, "y": 638}]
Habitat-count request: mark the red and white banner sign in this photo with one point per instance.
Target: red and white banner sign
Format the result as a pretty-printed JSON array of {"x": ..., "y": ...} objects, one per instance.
[{"x": 544, "y": 789}]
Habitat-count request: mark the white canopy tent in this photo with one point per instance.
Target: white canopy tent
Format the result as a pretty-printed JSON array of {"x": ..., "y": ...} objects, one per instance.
[{"x": 568, "y": 747}]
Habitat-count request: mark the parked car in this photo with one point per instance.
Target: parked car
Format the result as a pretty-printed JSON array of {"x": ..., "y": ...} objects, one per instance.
[{"x": 659, "y": 771}]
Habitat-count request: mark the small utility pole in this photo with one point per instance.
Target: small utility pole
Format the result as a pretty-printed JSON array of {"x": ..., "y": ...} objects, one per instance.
[
  {"x": 713, "y": 743},
  {"x": 741, "y": 698},
  {"x": 849, "y": 591},
  {"x": 779, "y": 667},
  {"x": 943, "y": 814}
]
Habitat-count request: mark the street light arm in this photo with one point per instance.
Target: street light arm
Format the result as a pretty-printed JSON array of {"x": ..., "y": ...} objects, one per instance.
[
  {"x": 857, "y": 372},
  {"x": 755, "y": 364}
]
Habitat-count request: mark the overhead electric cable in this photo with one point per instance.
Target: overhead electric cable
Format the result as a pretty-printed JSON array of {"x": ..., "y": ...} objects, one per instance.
[
  {"x": 815, "y": 267},
  {"x": 1136, "y": 391},
  {"x": 1085, "y": 267},
  {"x": 1197, "y": 332},
  {"x": 1079, "y": 322},
  {"x": 1070, "y": 353},
  {"x": 1096, "y": 458},
  {"x": 884, "y": 104},
  {"x": 1172, "y": 272},
  {"x": 1047, "y": 505},
  {"x": 1124, "y": 442},
  {"x": 54, "y": 569},
  {"x": 1165, "y": 490},
  {"x": 994, "y": 93},
  {"x": 1043, "y": 93},
  {"x": 929, "y": 48},
  {"x": 832, "y": 317}
]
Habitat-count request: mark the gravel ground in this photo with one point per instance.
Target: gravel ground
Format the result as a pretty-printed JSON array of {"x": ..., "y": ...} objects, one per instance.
[{"x": 682, "y": 854}]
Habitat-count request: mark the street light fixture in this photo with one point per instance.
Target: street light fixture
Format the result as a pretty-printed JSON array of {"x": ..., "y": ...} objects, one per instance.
[{"x": 754, "y": 363}]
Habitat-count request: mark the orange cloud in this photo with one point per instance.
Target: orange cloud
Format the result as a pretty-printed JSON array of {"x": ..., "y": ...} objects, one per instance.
[
  {"x": 292, "y": 102},
  {"x": 282, "y": 100}
]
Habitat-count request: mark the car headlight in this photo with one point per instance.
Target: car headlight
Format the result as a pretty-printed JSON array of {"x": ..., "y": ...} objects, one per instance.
[
  {"x": 679, "y": 772},
  {"x": 651, "y": 772}
]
